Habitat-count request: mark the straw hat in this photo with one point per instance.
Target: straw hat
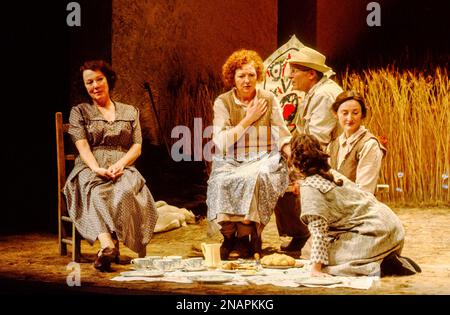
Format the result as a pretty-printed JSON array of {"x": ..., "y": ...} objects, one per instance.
[{"x": 309, "y": 58}]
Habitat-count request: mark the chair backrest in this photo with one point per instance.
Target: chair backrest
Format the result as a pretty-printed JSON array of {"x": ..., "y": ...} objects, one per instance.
[
  {"x": 67, "y": 233},
  {"x": 61, "y": 158}
]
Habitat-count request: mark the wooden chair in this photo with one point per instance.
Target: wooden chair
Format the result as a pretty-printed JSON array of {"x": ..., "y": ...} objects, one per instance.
[{"x": 67, "y": 233}]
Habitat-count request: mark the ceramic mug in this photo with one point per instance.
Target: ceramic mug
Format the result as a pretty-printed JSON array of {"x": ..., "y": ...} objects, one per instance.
[
  {"x": 177, "y": 261},
  {"x": 212, "y": 255},
  {"x": 152, "y": 259},
  {"x": 141, "y": 263},
  {"x": 163, "y": 264}
]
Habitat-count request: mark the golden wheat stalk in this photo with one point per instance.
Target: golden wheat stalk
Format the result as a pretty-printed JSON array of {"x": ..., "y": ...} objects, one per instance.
[{"x": 412, "y": 110}]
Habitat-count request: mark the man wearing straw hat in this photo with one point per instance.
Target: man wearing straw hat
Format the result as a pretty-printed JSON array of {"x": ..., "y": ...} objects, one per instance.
[{"x": 310, "y": 74}]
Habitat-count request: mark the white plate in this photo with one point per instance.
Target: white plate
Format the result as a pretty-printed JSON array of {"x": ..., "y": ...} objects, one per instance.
[
  {"x": 143, "y": 273},
  {"x": 319, "y": 281},
  {"x": 276, "y": 267},
  {"x": 228, "y": 270},
  {"x": 211, "y": 279},
  {"x": 249, "y": 273},
  {"x": 195, "y": 269},
  {"x": 142, "y": 269},
  {"x": 238, "y": 270}
]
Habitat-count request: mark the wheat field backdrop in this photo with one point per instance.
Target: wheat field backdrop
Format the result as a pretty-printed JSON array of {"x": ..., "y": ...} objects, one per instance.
[{"x": 410, "y": 111}]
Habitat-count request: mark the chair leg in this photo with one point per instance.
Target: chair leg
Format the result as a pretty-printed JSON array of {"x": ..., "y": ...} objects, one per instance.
[
  {"x": 76, "y": 244},
  {"x": 62, "y": 247}
]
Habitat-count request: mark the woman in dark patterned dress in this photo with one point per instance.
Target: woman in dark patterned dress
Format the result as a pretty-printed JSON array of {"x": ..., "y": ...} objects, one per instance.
[{"x": 106, "y": 195}]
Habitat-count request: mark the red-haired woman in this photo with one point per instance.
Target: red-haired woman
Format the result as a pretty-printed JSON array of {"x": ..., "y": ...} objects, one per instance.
[{"x": 248, "y": 171}]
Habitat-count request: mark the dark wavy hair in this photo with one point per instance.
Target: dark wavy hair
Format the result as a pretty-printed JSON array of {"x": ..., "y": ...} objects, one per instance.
[
  {"x": 350, "y": 95},
  {"x": 308, "y": 158},
  {"x": 236, "y": 61},
  {"x": 98, "y": 65}
]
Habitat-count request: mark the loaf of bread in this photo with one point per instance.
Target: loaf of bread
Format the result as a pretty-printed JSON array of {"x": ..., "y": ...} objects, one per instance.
[{"x": 278, "y": 260}]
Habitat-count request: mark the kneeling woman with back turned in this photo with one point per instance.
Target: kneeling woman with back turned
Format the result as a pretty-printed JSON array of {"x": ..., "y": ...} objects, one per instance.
[{"x": 353, "y": 234}]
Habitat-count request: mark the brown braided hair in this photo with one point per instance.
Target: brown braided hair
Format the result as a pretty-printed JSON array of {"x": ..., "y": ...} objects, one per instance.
[{"x": 308, "y": 158}]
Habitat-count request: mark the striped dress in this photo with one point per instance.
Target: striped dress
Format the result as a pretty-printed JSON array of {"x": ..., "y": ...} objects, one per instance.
[
  {"x": 98, "y": 205},
  {"x": 351, "y": 230}
]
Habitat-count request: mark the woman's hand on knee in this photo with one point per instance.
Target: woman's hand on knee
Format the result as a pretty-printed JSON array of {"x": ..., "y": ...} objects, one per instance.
[{"x": 116, "y": 170}]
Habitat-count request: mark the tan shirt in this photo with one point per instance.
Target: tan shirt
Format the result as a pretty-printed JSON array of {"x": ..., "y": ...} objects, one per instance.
[
  {"x": 370, "y": 158},
  {"x": 224, "y": 137},
  {"x": 314, "y": 113}
]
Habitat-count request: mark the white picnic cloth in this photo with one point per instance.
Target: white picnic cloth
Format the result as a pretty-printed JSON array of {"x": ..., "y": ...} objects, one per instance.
[{"x": 292, "y": 277}]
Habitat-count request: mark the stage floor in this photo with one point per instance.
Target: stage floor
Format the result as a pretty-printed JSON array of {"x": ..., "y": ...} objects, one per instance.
[{"x": 30, "y": 263}]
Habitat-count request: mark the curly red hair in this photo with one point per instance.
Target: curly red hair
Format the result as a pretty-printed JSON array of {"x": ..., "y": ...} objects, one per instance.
[{"x": 236, "y": 61}]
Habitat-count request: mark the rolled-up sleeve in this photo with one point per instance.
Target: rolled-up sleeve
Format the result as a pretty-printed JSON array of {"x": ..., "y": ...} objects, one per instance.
[
  {"x": 224, "y": 135},
  {"x": 280, "y": 132},
  {"x": 369, "y": 166}
]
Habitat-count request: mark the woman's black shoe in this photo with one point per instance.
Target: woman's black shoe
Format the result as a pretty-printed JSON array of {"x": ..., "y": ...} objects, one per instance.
[
  {"x": 103, "y": 261},
  {"x": 395, "y": 265}
]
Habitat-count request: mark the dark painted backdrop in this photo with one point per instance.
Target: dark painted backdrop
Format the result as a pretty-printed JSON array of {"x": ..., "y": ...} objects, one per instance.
[{"x": 41, "y": 54}]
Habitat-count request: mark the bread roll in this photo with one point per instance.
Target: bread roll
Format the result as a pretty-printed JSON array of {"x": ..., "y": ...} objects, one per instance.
[{"x": 278, "y": 260}]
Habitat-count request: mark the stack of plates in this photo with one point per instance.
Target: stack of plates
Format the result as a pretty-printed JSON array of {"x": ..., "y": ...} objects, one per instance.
[
  {"x": 319, "y": 281},
  {"x": 211, "y": 278},
  {"x": 142, "y": 273}
]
